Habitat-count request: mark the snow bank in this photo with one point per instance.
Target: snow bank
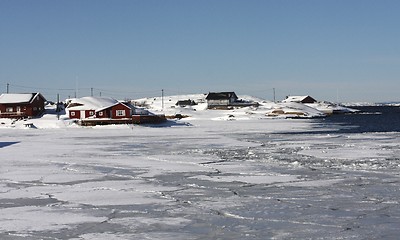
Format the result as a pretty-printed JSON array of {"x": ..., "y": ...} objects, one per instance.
[{"x": 199, "y": 111}]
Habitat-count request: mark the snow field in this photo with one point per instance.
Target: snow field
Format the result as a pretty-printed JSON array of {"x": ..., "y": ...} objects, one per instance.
[{"x": 203, "y": 177}]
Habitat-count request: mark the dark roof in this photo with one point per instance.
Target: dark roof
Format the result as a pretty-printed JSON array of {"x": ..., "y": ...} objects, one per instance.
[
  {"x": 221, "y": 95},
  {"x": 302, "y": 99},
  {"x": 185, "y": 102}
]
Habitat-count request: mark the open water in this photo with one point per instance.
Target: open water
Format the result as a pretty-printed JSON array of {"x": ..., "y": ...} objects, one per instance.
[{"x": 370, "y": 119}]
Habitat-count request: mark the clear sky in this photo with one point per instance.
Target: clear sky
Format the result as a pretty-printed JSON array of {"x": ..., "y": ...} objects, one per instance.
[{"x": 346, "y": 50}]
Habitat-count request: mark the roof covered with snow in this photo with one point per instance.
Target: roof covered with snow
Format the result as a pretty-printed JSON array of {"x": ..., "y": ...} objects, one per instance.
[
  {"x": 299, "y": 99},
  {"x": 17, "y": 97},
  {"x": 91, "y": 103}
]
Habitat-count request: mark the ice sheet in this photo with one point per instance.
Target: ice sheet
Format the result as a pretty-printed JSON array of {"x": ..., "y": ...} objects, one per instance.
[{"x": 253, "y": 179}]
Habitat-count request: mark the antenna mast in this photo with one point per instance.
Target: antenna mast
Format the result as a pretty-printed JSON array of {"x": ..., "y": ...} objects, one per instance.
[{"x": 162, "y": 99}]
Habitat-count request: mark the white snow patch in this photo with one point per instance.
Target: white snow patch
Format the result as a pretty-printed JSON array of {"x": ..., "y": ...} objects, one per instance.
[{"x": 32, "y": 218}]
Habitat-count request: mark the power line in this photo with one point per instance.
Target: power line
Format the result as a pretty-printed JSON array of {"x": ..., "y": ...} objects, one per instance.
[
  {"x": 119, "y": 91},
  {"x": 42, "y": 88},
  {"x": 91, "y": 91}
]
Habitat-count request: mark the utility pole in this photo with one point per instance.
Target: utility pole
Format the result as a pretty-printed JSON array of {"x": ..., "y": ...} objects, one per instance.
[
  {"x": 58, "y": 106},
  {"x": 76, "y": 87},
  {"x": 274, "y": 95},
  {"x": 162, "y": 99},
  {"x": 91, "y": 92},
  {"x": 8, "y": 86}
]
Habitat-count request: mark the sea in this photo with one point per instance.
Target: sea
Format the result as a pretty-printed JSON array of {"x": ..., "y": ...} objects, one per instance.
[{"x": 369, "y": 119}]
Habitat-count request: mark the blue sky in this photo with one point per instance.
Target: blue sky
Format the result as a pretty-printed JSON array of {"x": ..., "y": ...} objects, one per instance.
[{"x": 344, "y": 50}]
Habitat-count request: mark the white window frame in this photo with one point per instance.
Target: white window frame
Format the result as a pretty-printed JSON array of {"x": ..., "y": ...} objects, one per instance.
[
  {"x": 120, "y": 113},
  {"x": 101, "y": 114},
  {"x": 9, "y": 109},
  {"x": 72, "y": 114}
]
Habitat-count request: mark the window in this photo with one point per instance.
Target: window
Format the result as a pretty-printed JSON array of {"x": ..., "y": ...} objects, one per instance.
[
  {"x": 9, "y": 109},
  {"x": 72, "y": 114},
  {"x": 120, "y": 113},
  {"x": 91, "y": 113},
  {"x": 100, "y": 114},
  {"x": 18, "y": 109}
]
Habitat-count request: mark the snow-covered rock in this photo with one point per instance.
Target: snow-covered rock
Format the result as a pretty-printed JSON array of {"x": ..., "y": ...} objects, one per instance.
[{"x": 331, "y": 108}]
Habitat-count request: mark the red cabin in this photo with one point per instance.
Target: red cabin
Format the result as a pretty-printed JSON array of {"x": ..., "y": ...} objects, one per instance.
[
  {"x": 98, "y": 108},
  {"x": 117, "y": 111},
  {"x": 21, "y": 105}
]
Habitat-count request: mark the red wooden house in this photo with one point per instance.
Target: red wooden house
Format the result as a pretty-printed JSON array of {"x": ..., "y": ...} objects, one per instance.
[
  {"x": 116, "y": 111},
  {"x": 98, "y": 108},
  {"x": 21, "y": 105}
]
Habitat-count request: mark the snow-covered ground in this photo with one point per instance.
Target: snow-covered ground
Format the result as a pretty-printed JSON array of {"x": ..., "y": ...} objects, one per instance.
[
  {"x": 232, "y": 174},
  {"x": 265, "y": 109}
]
